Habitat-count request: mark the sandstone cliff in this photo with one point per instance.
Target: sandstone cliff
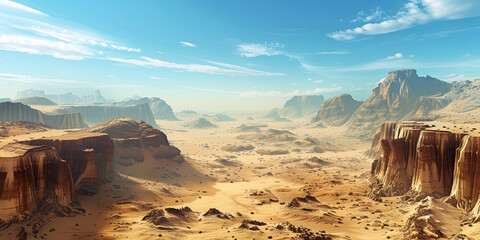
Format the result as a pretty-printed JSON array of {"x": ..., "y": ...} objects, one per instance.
[
  {"x": 134, "y": 139},
  {"x": 16, "y": 112},
  {"x": 31, "y": 176},
  {"x": 301, "y": 106},
  {"x": 89, "y": 155},
  {"x": 337, "y": 111},
  {"x": 95, "y": 115}
]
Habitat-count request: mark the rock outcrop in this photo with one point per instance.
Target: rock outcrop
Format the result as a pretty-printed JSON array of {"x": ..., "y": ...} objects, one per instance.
[
  {"x": 5, "y": 100},
  {"x": 95, "y": 115},
  {"x": 466, "y": 184},
  {"x": 17, "y": 112},
  {"x": 395, "y": 98},
  {"x": 201, "y": 123},
  {"x": 337, "y": 111},
  {"x": 160, "y": 109},
  {"x": 30, "y": 176},
  {"x": 135, "y": 139},
  {"x": 301, "y": 106},
  {"x": 89, "y": 155}
]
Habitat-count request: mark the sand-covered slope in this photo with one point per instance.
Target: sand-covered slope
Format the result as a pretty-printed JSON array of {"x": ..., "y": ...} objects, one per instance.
[{"x": 337, "y": 111}]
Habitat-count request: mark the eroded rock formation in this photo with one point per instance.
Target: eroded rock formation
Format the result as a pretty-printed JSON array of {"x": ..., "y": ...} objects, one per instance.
[
  {"x": 31, "y": 176},
  {"x": 89, "y": 155},
  {"x": 301, "y": 106},
  {"x": 134, "y": 139},
  {"x": 16, "y": 112},
  {"x": 337, "y": 111},
  {"x": 160, "y": 109}
]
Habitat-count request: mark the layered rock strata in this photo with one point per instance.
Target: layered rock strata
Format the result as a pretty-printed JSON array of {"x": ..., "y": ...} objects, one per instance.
[{"x": 31, "y": 176}]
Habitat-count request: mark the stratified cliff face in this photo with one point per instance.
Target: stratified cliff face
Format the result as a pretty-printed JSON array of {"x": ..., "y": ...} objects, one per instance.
[
  {"x": 433, "y": 172},
  {"x": 89, "y": 155},
  {"x": 395, "y": 98},
  {"x": 301, "y": 106},
  {"x": 30, "y": 176},
  {"x": 16, "y": 112},
  {"x": 337, "y": 111},
  {"x": 160, "y": 109},
  {"x": 466, "y": 184},
  {"x": 95, "y": 115},
  {"x": 133, "y": 139}
]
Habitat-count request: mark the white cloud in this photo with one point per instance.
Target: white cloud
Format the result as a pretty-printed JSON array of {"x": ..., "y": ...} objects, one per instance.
[
  {"x": 395, "y": 56},
  {"x": 35, "y": 80},
  {"x": 187, "y": 44},
  {"x": 123, "y": 48},
  {"x": 413, "y": 13},
  {"x": 39, "y": 46},
  {"x": 375, "y": 14},
  {"x": 260, "y": 49},
  {"x": 20, "y": 7},
  {"x": 467, "y": 55},
  {"x": 209, "y": 69},
  {"x": 318, "y": 81}
]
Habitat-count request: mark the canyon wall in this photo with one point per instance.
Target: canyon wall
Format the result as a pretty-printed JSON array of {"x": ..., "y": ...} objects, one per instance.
[
  {"x": 95, "y": 115},
  {"x": 29, "y": 176},
  {"x": 17, "y": 112},
  {"x": 89, "y": 155},
  {"x": 422, "y": 162}
]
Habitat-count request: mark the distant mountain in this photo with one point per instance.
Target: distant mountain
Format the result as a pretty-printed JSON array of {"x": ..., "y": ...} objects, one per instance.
[
  {"x": 5, "y": 100},
  {"x": 274, "y": 116},
  {"x": 17, "y": 112},
  {"x": 160, "y": 109},
  {"x": 65, "y": 99},
  {"x": 37, "y": 101},
  {"x": 336, "y": 111},
  {"x": 221, "y": 118},
  {"x": 398, "y": 97},
  {"x": 201, "y": 123},
  {"x": 301, "y": 106}
]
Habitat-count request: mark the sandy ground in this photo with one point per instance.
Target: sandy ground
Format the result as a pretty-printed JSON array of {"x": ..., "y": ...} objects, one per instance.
[{"x": 245, "y": 184}]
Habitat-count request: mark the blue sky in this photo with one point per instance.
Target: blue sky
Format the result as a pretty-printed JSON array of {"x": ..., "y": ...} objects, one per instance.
[{"x": 232, "y": 55}]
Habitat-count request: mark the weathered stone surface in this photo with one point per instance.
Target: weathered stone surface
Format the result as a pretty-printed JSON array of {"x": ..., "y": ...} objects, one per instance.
[
  {"x": 134, "y": 138},
  {"x": 31, "y": 176},
  {"x": 160, "y": 109},
  {"x": 89, "y": 155},
  {"x": 337, "y": 111},
  {"x": 466, "y": 184}
]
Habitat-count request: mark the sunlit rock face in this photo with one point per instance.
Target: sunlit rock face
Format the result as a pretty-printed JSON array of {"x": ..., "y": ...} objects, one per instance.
[
  {"x": 89, "y": 155},
  {"x": 337, "y": 110},
  {"x": 133, "y": 139},
  {"x": 433, "y": 172},
  {"x": 466, "y": 183},
  {"x": 30, "y": 176}
]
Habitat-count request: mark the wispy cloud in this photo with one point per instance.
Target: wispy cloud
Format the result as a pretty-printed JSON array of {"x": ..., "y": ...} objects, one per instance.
[
  {"x": 157, "y": 78},
  {"x": 35, "y": 32},
  {"x": 17, "y": 6},
  {"x": 201, "y": 68},
  {"x": 40, "y": 46},
  {"x": 187, "y": 44},
  {"x": 413, "y": 13},
  {"x": 260, "y": 49},
  {"x": 29, "y": 79}
]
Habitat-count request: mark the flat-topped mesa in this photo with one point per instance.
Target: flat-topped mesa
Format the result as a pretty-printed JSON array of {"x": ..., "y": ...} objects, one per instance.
[
  {"x": 31, "y": 176},
  {"x": 392, "y": 130},
  {"x": 133, "y": 139},
  {"x": 89, "y": 155},
  {"x": 403, "y": 74},
  {"x": 466, "y": 183},
  {"x": 433, "y": 172}
]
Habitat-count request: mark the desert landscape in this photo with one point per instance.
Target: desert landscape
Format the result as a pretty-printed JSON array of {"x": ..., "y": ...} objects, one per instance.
[{"x": 274, "y": 119}]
